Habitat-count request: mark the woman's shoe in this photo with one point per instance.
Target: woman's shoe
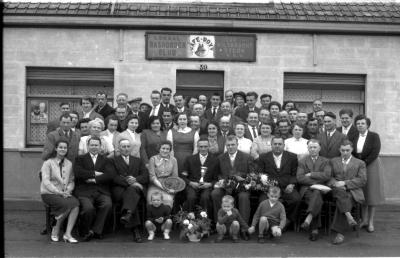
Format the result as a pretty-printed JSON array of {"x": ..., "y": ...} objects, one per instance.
[
  {"x": 363, "y": 225},
  {"x": 54, "y": 238},
  {"x": 70, "y": 239},
  {"x": 370, "y": 228}
]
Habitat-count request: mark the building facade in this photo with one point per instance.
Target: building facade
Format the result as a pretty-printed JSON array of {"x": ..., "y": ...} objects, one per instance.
[{"x": 346, "y": 54}]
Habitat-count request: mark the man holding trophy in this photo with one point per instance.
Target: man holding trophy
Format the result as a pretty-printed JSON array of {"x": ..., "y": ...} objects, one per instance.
[{"x": 200, "y": 174}]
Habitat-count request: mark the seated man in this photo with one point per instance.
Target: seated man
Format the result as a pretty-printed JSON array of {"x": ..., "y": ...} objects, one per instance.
[
  {"x": 129, "y": 185},
  {"x": 93, "y": 176},
  {"x": 281, "y": 166},
  {"x": 238, "y": 164},
  {"x": 347, "y": 182},
  {"x": 200, "y": 174},
  {"x": 313, "y": 169}
]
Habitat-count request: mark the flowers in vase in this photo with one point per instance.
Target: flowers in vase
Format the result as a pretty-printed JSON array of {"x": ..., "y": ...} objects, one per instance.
[{"x": 194, "y": 225}]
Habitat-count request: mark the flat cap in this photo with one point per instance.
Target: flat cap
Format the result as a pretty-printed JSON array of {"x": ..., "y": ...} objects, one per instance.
[{"x": 138, "y": 99}]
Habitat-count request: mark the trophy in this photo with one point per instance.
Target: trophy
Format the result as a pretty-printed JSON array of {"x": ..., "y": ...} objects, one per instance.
[{"x": 203, "y": 171}]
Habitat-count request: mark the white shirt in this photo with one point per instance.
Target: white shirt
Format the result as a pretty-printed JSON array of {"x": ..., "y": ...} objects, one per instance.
[
  {"x": 126, "y": 159},
  {"x": 296, "y": 146},
  {"x": 180, "y": 110},
  {"x": 86, "y": 115},
  {"x": 251, "y": 131},
  {"x": 94, "y": 158},
  {"x": 330, "y": 133},
  {"x": 154, "y": 111},
  {"x": 271, "y": 204},
  {"x": 346, "y": 161},
  {"x": 109, "y": 137},
  {"x": 203, "y": 158},
  {"x": 277, "y": 160},
  {"x": 361, "y": 141},
  {"x": 232, "y": 157},
  {"x": 244, "y": 145},
  {"x": 345, "y": 130}
]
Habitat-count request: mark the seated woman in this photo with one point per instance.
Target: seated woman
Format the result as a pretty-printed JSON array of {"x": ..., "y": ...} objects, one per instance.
[
  {"x": 262, "y": 144},
  {"x": 297, "y": 144},
  {"x": 56, "y": 188},
  {"x": 216, "y": 141},
  {"x": 151, "y": 139},
  {"x": 244, "y": 144},
  {"x": 161, "y": 166},
  {"x": 131, "y": 134},
  {"x": 95, "y": 127}
]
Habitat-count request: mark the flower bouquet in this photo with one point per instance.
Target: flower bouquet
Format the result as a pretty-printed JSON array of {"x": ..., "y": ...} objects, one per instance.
[
  {"x": 257, "y": 182},
  {"x": 194, "y": 225}
]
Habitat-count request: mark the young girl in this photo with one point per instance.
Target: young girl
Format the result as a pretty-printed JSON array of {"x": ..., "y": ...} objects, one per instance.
[
  {"x": 158, "y": 216},
  {"x": 270, "y": 214}
]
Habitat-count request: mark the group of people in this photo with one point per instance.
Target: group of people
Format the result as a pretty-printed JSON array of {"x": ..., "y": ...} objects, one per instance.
[{"x": 100, "y": 156}]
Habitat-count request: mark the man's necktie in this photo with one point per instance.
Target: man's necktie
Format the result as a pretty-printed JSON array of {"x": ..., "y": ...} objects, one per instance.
[
  {"x": 344, "y": 166},
  {"x": 214, "y": 111},
  {"x": 126, "y": 160},
  {"x": 254, "y": 132}
]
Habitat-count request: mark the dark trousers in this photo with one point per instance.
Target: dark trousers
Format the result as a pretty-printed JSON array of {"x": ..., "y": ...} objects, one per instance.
[
  {"x": 313, "y": 199},
  {"x": 243, "y": 203},
  {"x": 130, "y": 197},
  {"x": 192, "y": 198},
  {"x": 344, "y": 203},
  {"x": 291, "y": 201},
  {"x": 94, "y": 211}
]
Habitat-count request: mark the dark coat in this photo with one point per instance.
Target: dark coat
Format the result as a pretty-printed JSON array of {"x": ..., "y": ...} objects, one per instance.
[
  {"x": 56, "y": 135},
  {"x": 243, "y": 165},
  {"x": 209, "y": 116},
  {"x": 136, "y": 169},
  {"x": 192, "y": 169},
  {"x": 243, "y": 112},
  {"x": 105, "y": 111},
  {"x": 371, "y": 148},
  {"x": 247, "y": 133},
  {"x": 330, "y": 148},
  {"x": 351, "y": 134}
]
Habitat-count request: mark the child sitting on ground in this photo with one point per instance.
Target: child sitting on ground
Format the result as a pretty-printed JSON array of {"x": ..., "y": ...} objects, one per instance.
[
  {"x": 230, "y": 219},
  {"x": 158, "y": 216},
  {"x": 270, "y": 214}
]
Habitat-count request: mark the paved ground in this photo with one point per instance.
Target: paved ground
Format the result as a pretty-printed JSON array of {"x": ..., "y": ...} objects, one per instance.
[{"x": 22, "y": 239}]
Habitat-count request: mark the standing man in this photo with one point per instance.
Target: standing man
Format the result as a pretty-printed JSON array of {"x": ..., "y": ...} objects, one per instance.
[
  {"x": 122, "y": 114},
  {"x": 93, "y": 176},
  {"x": 225, "y": 127},
  {"x": 214, "y": 111},
  {"x": 347, "y": 128},
  {"x": 198, "y": 109},
  {"x": 134, "y": 106},
  {"x": 87, "y": 104},
  {"x": 302, "y": 118},
  {"x": 330, "y": 139},
  {"x": 167, "y": 120},
  {"x": 130, "y": 181},
  {"x": 54, "y": 124},
  {"x": 238, "y": 164},
  {"x": 265, "y": 99},
  {"x": 156, "y": 109},
  {"x": 166, "y": 94},
  {"x": 180, "y": 105},
  {"x": 313, "y": 169},
  {"x": 102, "y": 106},
  {"x": 312, "y": 129},
  {"x": 203, "y": 100},
  {"x": 347, "y": 182},
  {"x": 122, "y": 99},
  {"x": 252, "y": 128},
  {"x": 251, "y": 100},
  {"x": 229, "y": 96},
  {"x": 281, "y": 166},
  {"x": 283, "y": 129},
  {"x": 226, "y": 110},
  {"x": 317, "y": 106}
]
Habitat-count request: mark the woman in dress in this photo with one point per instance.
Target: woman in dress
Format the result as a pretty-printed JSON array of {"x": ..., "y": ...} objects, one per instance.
[
  {"x": 215, "y": 140},
  {"x": 95, "y": 128},
  {"x": 161, "y": 166},
  {"x": 131, "y": 134},
  {"x": 367, "y": 146},
  {"x": 151, "y": 139},
  {"x": 244, "y": 144},
  {"x": 56, "y": 191},
  {"x": 240, "y": 100},
  {"x": 262, "y": 144},
  {"x": 288, "y": 105},
  {"x": 184, "y": 140},
  {"x": 297, "y": 144}
]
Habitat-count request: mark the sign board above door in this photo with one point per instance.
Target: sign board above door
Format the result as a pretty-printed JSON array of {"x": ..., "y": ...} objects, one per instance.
[{"x": 197, "y": 46}]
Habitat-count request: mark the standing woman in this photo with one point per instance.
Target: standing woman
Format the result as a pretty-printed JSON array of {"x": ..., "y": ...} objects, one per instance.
[
  {"x": 95, "y": 128},
  {"x": 131, "y": 135},
  {"x": 367, "y": 146},
  {"x": 216, "y": 141},
  {"x": 161, "y": 166},
  {"x": 262, "y": 144},
  {"x": 297, "y": 144},
  {"x": 151, "y": 139},
  {"x": 244, "y": 144},
  {"x": 184, "y": 140},
  {"x": 56, "y": 191}
]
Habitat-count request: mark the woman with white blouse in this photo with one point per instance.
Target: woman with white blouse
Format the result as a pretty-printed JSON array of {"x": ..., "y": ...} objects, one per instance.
[
  {"x": 297, "y": 144},
  {"x": 95, "y": 128},
  {"x": 244, "y": 144},
  {"x": 262, "y": 144}
]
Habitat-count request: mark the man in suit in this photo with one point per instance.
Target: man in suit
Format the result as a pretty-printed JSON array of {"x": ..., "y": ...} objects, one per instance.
[
  {"x": 317, "y": 106},
  {"x": 180, "y": 105},
  {"x": 157, "y": 108},
  {"x": 283, "y": 129},
  {"x": 347, "y": 182},
  {"x": 122, "y": 114},
  {"x": 200, "y": 174},
  {"x": 265, "y": 99},
  {"x": 129, "y": 186},
  {"x": 102, "y": 106},
  {"x": 225, "y": 126},
  {"x": 313, "y": 169},
  {"x": 347, "y": 128},
  {"x": 281, "y": 166},
  {"x": 54, "y": 124},
  {"x": 226, "y": 110},
  {"x": 166, "y": 94},
  {"x": 312, "y": 129},
  {"x": 252, "y": 128},
  {"x": 330, "y": 139},
  {"x": 87, "y": 104},
  {"x": 229, "y": 96},
  {"x": 251, "y": 101},
  {"x": 237, "y": 164},
  {"x": 214, "y": 111},
  {"x": 93, "y": 175},
  {"x": 167, "y": 119},
  {"x": 198, "y": 109},
  {"x": 64, "y": 131}
]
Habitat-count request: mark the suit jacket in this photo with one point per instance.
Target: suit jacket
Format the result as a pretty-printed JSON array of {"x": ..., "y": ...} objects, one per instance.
[
  {"x": 52, "y": 125},
  {"x": 320, "y": 171},
  {"x": 85, "y": 169},
  {"x": 330, "y": 149},
  {"x": 92, "y": 116},
  {"x": 56, "y": 135},
  {"x": 243, "y": 165},
  {"x": 371, "y": 148},
  {"x": 244, "y": 111},
  {"x": 192, "y": 171},
  {"x": 209, "y": 116},
  {"x": 105, "y": 111},
  {"x": 287, "y": 173},
  {"x": 185, "y": 111},
  {"x": 230, "y": 132},
  {"x": 170, "y": 107},
  {"x": 355, "y": 176},
  {"x": 233, "y": 121},
  {"x": 136, "y": 168},
  {"x": 351, "y": 134},
  {"x": 203, "y": 125},
  {"x": 247, "y": 133}
]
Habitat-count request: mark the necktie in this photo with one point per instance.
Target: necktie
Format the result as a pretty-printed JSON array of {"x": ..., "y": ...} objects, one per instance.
[
  {"x": 126, "y": 160},
  {"x": 232, "y": 161},
  {"x": 214, "y": 111},
  {"x": 94, "y": 159},
  {"x": 254, "y": 132},
  {"x": 344, "y": 165},
  {"x": 61, "y": 165}
]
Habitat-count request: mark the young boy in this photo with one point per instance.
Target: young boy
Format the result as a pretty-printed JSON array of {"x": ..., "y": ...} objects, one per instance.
[
  {"x": 271, "y": 215},
  {"x": 158, "y": 216},
  {"x": 230, "y": 219}
]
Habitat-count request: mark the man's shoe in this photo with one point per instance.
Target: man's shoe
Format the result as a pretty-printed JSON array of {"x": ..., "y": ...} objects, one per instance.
[
  {"x": 89, "y": 236},
  {"x": 314, "y": 236},
  {"x": 305, "y": 225},
  {"x": 136, "y": 236},
  {"x": 126, "y": 219},
  {"x": 370, "y": 228},
  {"x": 98, "y": 236},
  {"x": 235, "y": 239},
  {"x": 244, "y": 235},
  {"x": 338, "y": 239},
  {"x": 219, "y": 238},
  {"x": 261, "y": 239}
]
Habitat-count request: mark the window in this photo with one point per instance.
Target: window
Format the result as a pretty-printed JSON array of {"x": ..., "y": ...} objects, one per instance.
[
  {"x": 48, "y": 87},
  {"x": 337, "y": 91},
  {"x": 194, "y": 83}
]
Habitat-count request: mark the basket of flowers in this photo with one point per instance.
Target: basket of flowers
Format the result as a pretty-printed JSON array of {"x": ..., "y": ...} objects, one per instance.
[
  {"x": 254, "y": 182},
  {"x": 193, "y": 225}
]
